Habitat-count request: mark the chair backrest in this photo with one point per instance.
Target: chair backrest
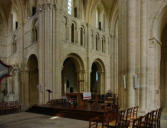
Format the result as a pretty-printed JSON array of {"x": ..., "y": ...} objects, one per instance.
[
  {"x": 159, "y": 113},
  {"x": 93, "y": 122},
  {"x": 122, "y": 115},
  {"x": 129, "y": 113},
  {"x": 135, "y": 112},
  {"x": 154, "y": 114},
  {"x": 139, "y": 122},
  {"x": 121, "y": 119},
  {"x": 148, "y": 119}
]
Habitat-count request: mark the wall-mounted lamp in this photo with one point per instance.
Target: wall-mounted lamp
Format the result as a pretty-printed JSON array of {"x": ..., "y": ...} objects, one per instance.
[
  {"x": 124, "y": 81},
  {"x": 136, "y": 83}
]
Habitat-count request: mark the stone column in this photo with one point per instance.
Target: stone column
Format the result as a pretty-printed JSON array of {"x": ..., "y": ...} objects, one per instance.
[
  {"x": 41, "y": 53},
  {"x": 68, "y": 28},
  {"x": 57, "y": 52},
  {"x": 46, "y": 50},
  {"x": 132, "y": 41},
  {"x": 157, "y": 75},
  {"x": 144, "y": 42},
  {"x": 153, "y": 89},
  {"x": 26, "y": 87},
  {"x": 76, "y": 35},
  {"x": 81, "y": 80},
  {"x": 16, "y": 85},
  {"x": 102, "y": 82}
]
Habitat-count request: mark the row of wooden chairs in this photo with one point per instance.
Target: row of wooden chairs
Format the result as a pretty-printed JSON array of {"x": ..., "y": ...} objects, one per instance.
[
  {"x": 150, "y": 120},
  {"x": 122, "y": 119},
  {"x": 107, "y": 122},
  {"x": 132, "y": 113},
  {"x": 9, "y": 107}
]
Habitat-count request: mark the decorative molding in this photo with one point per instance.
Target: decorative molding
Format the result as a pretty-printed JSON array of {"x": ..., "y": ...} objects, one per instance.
[{"x": 154, "y": 41}]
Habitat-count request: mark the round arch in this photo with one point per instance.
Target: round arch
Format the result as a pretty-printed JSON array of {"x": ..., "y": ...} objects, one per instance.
[
  {"x": 159, "y": 23},
  {"x": 97, "y": 77},
  {"x": 33, "y": 80},
  {"x": 73, "y": 74},
  {"x": 158, "y": 34}
]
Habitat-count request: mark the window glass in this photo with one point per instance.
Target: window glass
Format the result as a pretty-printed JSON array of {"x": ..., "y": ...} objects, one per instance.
[{"x": 70, "y": 7}]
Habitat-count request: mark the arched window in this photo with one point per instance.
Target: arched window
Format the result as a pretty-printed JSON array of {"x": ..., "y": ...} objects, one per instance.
[
  {"x": 97, "y": 41},
  {"x": 82, "y": 36},
  {"x": 35, "y": 31},
  {"x": 74, "y": 8},
  {"x": 72, "y": 32},
  {"x": 100, "y": 17},
  {"x": 32, "y": 7},
  {"x": 15, "y": 21},
  {"x": 70, "y": 2},
  {"x": 103, "y": 44}
]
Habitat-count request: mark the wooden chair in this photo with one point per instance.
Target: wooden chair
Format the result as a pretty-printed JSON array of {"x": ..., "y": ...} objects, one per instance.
[
  {"x": 139, "y": 122},
  {"x": 93, "y": 122},
  {"x": 129, "y": 114},
  {"x": 106, "y": 118},
  {"x": 154, "y": 118},
  {"x": 123, "y": 123},
  {"x": 148, "y": 120},
  {"x": 159, "y": 117},
  {"x": 135, "y": 112},
  {"x": 2, "y": 108},
  {"x": 120, "y": 121}
]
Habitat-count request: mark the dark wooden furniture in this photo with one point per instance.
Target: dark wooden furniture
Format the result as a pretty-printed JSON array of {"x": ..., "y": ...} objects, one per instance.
[
  {"x": 93, "y": 122},
  {"x": 77, "y": 98},
  {"x": 9, "y": 107},
  {"x": 129, "y": 114},
  {"x": 139, "y": 122},
  {"x": 135, "y": 112},
  {"x": 159, "y": 117}
]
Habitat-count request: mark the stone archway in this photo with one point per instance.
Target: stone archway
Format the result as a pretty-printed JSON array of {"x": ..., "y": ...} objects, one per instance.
[
  {"x": 97, "y": 78},
  {"x": 33, "y": 80},
  {"x": 73, "y": 75},
  {"x": 158, "y": 61},
  {"x": 163, "y": 70}
]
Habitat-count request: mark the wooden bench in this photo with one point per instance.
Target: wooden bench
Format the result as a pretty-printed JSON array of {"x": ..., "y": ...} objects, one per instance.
[{"x": 9, "y": 107}]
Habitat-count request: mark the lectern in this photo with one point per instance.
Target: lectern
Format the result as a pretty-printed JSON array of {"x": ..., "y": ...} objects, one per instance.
[{"x": 49, "y": 92}]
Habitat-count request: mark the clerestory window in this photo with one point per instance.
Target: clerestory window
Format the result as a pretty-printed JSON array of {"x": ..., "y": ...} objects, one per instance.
[{"x": 70, "y": 7}]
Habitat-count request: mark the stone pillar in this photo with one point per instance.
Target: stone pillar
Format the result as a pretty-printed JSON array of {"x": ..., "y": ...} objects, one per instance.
[
  {"x": 76, "y": 35},
  {"x": 132, "y": 38},
  {"x": 68, "y": 28},
  {"x": 57, "y": 52},
  {"x": 81, "y": 80},
  {"x": 102, "y": 82},
  {"x": 46, "y": 51},
  {"x": 157, "y": 75},
  {"x": 153, "y": 89},
  {"x": 143, "y": 69},
  {"x": 41, "y": 54},
  {"x": 16, "y": 85},
  {"x": 26, "y": 87}
]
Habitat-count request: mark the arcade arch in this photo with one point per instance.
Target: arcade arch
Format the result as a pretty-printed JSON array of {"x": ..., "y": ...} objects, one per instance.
[
  {"x": 72, "y": 75},
  {"x": 97, "y": 78},
  {"x": 33, "y": 80}
]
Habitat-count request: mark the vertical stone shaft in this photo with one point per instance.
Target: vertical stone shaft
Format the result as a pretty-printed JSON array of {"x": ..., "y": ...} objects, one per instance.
[
  {"x": 143, "y": 73},
  {"x": 132, "y": 38}
]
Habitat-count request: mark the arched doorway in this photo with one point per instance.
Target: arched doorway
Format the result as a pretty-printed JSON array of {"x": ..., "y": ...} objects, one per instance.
[
  {"x": 72, "y": 75},
  {"x": 158, "y": 60},
  {"x": 97, "y": 78},
  {"x": 33, "y": 75},
  {"x": 163, "y": 70}
]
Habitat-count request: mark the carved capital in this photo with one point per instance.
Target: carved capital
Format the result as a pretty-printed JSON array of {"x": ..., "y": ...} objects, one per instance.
[{"x": 153, "y": 42}]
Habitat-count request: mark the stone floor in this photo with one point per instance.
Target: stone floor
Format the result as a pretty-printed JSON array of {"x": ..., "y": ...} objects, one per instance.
[{"x": 31, "y": 120}]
